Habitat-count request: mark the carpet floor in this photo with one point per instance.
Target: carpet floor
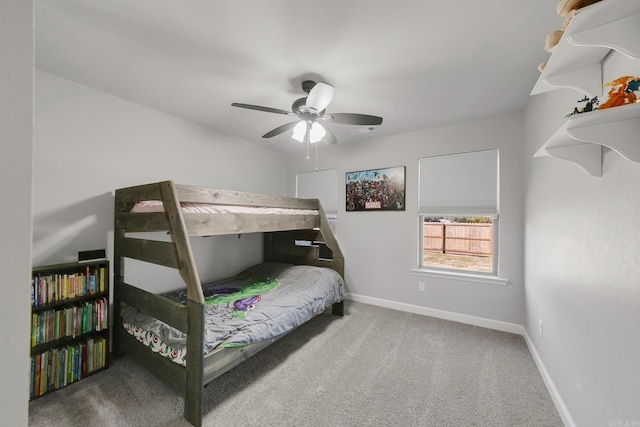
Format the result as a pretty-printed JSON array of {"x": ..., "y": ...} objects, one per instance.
[{"x": 374, "y": 367}]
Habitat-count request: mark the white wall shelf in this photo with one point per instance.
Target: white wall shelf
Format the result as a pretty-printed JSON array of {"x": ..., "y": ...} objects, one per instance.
[
  {"x": 593, "y": 33},
  {"x": 581, "y": 138},
  {"x": 577, "y": 62}
]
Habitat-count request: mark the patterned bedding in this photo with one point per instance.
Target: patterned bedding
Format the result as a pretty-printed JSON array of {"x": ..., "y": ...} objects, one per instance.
[{"x": 296, "y": 294}]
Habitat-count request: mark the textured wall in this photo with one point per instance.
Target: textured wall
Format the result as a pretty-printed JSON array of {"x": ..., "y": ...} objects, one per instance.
[{"x": 582, "y": 268}]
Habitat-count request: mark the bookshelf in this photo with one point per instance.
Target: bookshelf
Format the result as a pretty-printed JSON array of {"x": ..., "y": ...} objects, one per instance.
[{"x": 69, "y": 324}]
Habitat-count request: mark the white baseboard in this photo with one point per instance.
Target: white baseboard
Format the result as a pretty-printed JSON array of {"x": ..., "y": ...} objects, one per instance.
[
  {"x": 553, "y": 391},
  {"x": 498, "y": 325},
  {"x": 440, "y": 314}
]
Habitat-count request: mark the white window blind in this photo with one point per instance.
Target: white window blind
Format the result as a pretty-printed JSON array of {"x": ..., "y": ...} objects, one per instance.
[
  {"x": 321, "y": 185},
  {"x": 459, "y": 184}
]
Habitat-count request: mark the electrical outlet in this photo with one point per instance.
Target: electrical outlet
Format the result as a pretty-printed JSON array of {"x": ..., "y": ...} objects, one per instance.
[
  {"x": 421, "y": 286},
  {"x": 541, "y": 328}
]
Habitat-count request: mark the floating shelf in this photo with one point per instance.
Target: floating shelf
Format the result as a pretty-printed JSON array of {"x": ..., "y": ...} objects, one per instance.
[
  {"x": 576, "y": 62},
  {"x": 591, "y": 35},
  {"x": 581, "y": 138}
]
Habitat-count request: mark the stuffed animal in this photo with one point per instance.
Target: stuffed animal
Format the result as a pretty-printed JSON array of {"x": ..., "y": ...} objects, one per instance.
[{"x": 566, "y": 9}]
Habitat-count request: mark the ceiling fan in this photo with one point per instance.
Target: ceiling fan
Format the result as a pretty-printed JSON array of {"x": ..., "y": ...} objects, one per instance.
[{"x": 309, "y": 111}]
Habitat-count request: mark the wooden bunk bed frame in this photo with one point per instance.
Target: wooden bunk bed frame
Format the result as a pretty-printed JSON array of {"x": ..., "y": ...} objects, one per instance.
[{"x": 280, "y": 234}]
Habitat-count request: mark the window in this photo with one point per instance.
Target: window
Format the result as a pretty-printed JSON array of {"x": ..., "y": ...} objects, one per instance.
[{"x": 458, "y": 212}]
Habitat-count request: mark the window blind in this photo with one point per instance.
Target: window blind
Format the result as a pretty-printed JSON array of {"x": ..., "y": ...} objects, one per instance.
[
  {"x": 459, "y": 184},
  {"x": 321, "y": 185}
]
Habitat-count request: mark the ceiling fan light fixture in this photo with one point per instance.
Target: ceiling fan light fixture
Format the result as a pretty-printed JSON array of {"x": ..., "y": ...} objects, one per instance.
[
  {"x": 317, "y": 132},
  {"x": 299, "y": 131},
  {"x": 320, "y": 97}
]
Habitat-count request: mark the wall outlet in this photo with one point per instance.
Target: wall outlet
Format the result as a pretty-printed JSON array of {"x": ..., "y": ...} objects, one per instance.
[
  {"x": 421, "y": 286},
  {"x": 540, "y": 328}
]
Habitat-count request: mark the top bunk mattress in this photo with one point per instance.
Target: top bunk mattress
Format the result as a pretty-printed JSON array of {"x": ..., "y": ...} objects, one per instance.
[
  {"x": 301, "y": 293},
  {"x": 209, "y": 208}
]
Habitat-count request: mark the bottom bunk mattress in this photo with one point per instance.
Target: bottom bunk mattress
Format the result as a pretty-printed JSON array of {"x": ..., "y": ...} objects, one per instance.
[{"x": 262, "y": 302}]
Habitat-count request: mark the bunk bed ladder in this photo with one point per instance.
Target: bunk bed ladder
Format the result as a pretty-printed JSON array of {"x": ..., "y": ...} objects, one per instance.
[{"x": 195, "y": 304}]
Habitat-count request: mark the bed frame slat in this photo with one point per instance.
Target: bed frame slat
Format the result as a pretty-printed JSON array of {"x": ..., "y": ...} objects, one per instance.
[
  {"x": 222, "y": 360},
  {"x": 164, "y": 309},
  {"x": 188, "y": 194},
  {"x": 221, "y": 224},
  {"x": 153, "y": 251},
  {"x": 142, "y": 222},
  {"x": 138, "y": 193}
]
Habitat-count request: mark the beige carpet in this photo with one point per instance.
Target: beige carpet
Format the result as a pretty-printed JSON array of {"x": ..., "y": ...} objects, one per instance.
[{"x": 374, "y": 367}]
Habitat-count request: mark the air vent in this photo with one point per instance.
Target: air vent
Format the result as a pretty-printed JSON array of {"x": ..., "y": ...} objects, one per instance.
[{"x": 364, "y": 129}]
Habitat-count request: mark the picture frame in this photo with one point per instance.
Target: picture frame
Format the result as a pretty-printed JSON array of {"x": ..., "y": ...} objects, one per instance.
[{"x": 380, "y": 189}]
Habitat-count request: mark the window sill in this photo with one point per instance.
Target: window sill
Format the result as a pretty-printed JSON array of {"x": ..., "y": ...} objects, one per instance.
[{"x": 455, "y": 275}]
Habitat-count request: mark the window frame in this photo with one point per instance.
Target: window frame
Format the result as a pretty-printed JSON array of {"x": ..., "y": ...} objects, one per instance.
[
  {"x": 495, "y": 222},
  {"x": 454, "y": 273}
]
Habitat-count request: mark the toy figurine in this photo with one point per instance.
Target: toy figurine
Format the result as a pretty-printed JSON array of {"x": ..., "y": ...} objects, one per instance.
[
  {"x": 589, "y": 106},
  {"x": 622, "y": 92}
]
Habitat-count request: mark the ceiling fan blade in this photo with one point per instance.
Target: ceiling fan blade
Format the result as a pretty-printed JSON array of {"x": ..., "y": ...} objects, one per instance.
[
  {"x": 265, "y": 109},
  {"x": 353, "y": 119},
  {"x": 280, "y": 129},
  {"x": 329, "y": 137},
  {"x": 319, "y": 97}
]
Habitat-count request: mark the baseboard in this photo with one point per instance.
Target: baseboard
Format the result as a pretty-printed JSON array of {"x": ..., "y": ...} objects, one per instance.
[
  {"x": 440, "y": 314},
  {"x": 553, "y": 391}
]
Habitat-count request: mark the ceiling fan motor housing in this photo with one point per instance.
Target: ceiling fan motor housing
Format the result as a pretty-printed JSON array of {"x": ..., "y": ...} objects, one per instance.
[{"x": 307, "y": 85}]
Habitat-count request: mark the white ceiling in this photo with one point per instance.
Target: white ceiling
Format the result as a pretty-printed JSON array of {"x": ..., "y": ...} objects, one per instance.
[{"x": 416, "y": 63}]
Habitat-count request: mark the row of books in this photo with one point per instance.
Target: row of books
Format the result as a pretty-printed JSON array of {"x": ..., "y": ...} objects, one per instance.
[
  {"x": 61, "y": 366},
  {"x": 81, "y": 318},
  {"x": 49, "y": 288}
]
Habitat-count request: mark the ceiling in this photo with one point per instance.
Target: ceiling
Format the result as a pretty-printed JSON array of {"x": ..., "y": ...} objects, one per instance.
[{"x": 416, "y": 63}]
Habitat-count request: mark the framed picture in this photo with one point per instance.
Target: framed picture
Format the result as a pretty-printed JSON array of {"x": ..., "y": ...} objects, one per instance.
[{"x": 375, "y": 189}]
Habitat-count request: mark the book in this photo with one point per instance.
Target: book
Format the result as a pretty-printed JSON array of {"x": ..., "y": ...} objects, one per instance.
[
  {"x": 43, "y": 373},
  {"x": 92, "y": 283},
  {"x": 32, "y": 383},
  {"x": 83, "y": 347},
  {"x": 102, "y": 280},
  {"x": 90, "y": 354},
  {"x": 34, "y": 329},
  {"x": 36, "y": 383}
]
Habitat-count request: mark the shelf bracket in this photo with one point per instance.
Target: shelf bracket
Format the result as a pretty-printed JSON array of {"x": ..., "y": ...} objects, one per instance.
[
  {"x": 587, "y": 156},
  {"x": 621, "y": 136}
]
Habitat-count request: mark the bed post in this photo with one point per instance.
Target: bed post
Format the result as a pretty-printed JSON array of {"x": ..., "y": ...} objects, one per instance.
[
  {"x": 195, "y": 364},
  {"x": 195, "y": 305},
  {"x": 118, "y": 280}
]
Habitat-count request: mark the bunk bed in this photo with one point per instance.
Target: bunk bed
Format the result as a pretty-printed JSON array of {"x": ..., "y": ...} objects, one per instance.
[{"x": 296, "y": 235}]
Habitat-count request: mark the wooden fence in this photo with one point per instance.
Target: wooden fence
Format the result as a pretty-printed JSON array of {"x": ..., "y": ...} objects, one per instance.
[{"x": 458, "y": 238}]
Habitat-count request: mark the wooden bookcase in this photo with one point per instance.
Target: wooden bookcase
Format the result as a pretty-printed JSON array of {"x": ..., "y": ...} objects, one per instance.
[{"x": 69, "y": 324}]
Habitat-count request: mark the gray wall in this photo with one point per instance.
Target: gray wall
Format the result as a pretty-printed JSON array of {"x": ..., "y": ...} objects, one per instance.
[
  {"x": 381, "y": 248},
  {"x": 582, "y": 273},
  {"x": 88, "y": 143},
  {"x": 16, "y": 152}
]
